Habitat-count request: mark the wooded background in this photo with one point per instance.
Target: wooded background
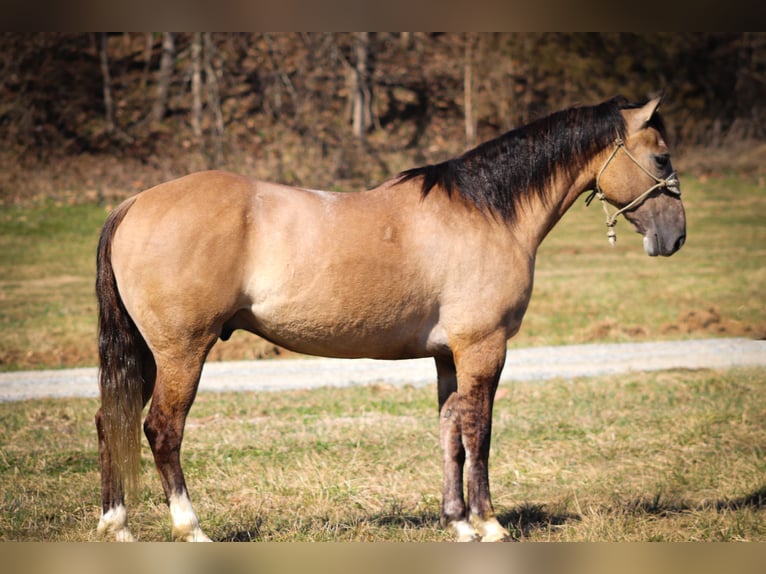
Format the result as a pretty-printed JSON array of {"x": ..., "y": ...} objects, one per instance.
[{"x": 96, "y": 116}]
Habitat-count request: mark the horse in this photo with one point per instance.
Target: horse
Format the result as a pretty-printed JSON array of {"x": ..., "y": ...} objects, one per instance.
[{"x": 437, "y": 261}]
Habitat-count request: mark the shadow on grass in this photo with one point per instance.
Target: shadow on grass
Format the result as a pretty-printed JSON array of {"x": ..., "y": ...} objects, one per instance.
[
  {"x": 659, "y": 507},
  {"x": 393, "y": 521},
  {"x": 529, "y": 518},
  {"x": 250, "y": 535},
  {"x": 405, "y": 520},
  {"x": 520, "y": 522},
  {"x": 754, "y": 500}
]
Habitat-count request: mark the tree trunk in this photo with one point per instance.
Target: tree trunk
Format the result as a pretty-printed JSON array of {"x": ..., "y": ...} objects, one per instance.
[
  {"x": 107, "y": 81},
  {"x": 213, "y": 94},
  {"x": 196, "y": 84},
  {"x": 470, "y": 122},
  {"x": 284, "y": 78},
  {"x": 148, "y": 48},
  {"x": 167, "y": 63},
  {"x": 361, "y": 87}
]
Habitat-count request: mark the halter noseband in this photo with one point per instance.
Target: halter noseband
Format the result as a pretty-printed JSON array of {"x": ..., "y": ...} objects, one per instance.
[{"x": 670, "y": 183}]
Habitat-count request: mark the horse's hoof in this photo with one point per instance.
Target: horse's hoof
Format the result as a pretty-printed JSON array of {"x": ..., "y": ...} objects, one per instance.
[
  {"x": 114, "y": 523},
  {"x": 124, "y": 535},
  {"x": 492, "y": 531},
  {"x": 195, "y": 535},
  {"x": 464, "y": 532},
  {"x": 496, "y": 537}
]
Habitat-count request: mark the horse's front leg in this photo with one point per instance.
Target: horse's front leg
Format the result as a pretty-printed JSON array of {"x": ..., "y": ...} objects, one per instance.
[
  {"x": 453, "y": 510},
  {"x": 478, "y": 372}
]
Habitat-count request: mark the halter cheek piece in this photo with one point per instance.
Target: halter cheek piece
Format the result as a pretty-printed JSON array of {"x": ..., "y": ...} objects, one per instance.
[{"x": 670, "y": 183}]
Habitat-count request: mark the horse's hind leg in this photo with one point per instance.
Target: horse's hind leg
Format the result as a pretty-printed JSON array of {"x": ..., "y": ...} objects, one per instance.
[
  {"x": 174, "y": 391},
  {"x": 114, "y": 516}
]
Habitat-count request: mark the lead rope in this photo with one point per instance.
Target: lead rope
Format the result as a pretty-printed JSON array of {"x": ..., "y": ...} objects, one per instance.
[{"x": 670, "y": 183}]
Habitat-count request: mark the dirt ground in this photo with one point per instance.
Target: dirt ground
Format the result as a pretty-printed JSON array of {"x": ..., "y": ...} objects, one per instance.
[{"x": 699, "y": 322}]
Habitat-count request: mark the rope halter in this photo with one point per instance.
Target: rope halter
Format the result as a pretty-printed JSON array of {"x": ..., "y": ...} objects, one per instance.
[{"x": 670, "y": 183}]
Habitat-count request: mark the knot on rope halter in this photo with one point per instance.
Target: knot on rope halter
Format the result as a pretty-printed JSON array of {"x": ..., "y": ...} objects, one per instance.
[{"x": 669, "y": 183}]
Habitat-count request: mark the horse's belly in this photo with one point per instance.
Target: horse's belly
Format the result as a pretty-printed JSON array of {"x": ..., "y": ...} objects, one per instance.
[{"x": 331, "y": 331}]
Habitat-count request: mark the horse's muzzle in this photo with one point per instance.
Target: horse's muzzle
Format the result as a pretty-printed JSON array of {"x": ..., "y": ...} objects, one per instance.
[{"x": 655, "y": 245}]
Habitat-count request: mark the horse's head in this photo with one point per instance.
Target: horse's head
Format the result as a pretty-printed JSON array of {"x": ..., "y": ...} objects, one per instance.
[{"x": 638, "y": 178}]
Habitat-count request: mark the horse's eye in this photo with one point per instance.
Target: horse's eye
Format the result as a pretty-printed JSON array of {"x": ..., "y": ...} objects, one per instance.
[{"x": 662, "y": 160}]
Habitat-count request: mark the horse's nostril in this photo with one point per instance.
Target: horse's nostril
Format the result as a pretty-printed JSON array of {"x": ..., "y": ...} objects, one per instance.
[{"x": 679, "y": 243}]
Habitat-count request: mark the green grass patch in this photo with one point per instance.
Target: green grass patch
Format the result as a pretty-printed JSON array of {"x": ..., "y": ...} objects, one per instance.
[
  {"x": 584, "y": 289},
  {"x": 47, "y": 273},
  {"x": 668, "y": 456}
]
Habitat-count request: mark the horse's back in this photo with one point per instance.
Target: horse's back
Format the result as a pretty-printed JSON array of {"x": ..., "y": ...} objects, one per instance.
[{"x": 319, "y": 272}]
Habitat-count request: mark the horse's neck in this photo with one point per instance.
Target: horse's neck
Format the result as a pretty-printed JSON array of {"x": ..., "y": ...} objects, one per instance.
[{"x": 541, "y": 215}]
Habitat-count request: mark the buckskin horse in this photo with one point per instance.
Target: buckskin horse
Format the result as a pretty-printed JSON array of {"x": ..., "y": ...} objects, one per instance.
[{"x": 438, "y": 261}]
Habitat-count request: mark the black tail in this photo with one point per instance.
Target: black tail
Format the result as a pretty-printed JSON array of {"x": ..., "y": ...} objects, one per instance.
[{"x": 122, "y": 353}]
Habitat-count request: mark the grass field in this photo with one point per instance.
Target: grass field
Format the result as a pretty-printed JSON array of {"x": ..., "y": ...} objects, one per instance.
[
  {"x": 669, "y": 456},
  {"x": 584, "y": 290}
]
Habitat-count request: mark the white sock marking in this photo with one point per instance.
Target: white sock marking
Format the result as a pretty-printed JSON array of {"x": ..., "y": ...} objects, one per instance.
[
  {"x": 115, "y": 522},
  {"x": 464, "y": 532},
  {"x": 184, "y": 520}
]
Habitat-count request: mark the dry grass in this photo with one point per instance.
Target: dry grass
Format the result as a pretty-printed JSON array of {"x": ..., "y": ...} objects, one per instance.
[{"x": 668, "y": 456}]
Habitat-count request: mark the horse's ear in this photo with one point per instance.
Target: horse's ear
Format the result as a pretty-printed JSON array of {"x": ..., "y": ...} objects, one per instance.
[
  {"x": 642, "y": 115},
  {"x": 654, "y": 105}
]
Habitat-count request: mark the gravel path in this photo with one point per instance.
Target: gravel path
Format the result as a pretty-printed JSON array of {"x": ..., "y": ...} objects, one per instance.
[{"x": 537, "y": 363}]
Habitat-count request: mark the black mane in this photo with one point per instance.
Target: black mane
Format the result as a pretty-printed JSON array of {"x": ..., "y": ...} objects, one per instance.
[{"x": 496, "y": 175}]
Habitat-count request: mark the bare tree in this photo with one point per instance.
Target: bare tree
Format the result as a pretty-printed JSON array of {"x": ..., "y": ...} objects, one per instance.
[
  {"x": 196, "y": 83},
  {"x": 361, "y": 93},
  {"x": 148, "y": 48},
  {"x": 212, "y": 66},
  {"x": 470, "y": 121},
  {"x": 103, "y": 50},
  {"x": 164, "y": 77}
]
